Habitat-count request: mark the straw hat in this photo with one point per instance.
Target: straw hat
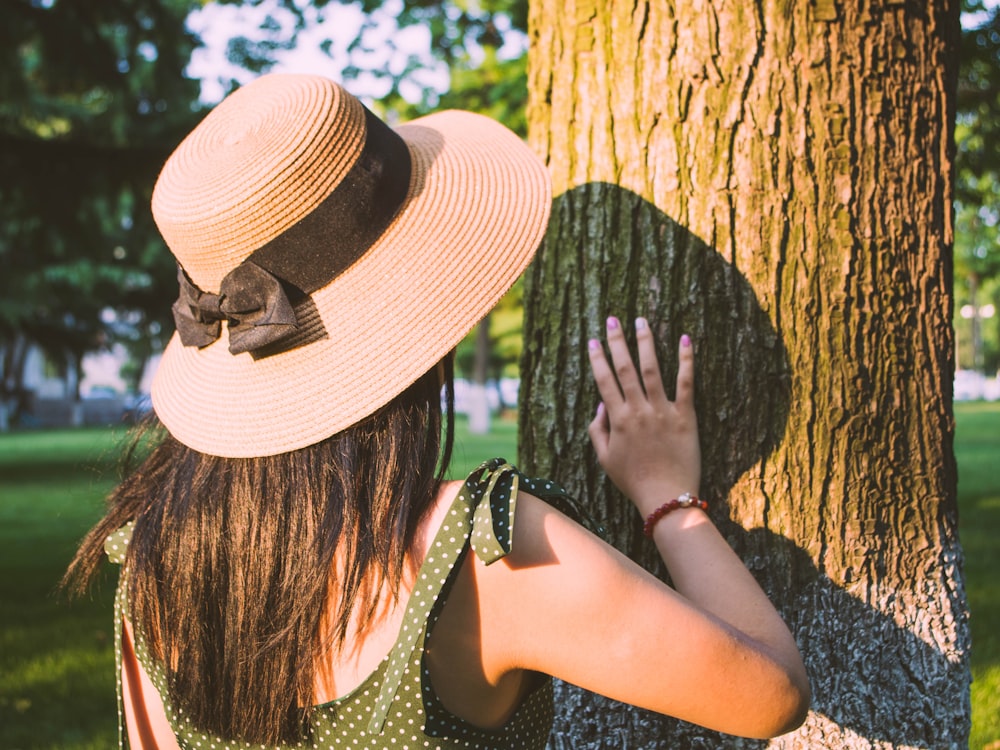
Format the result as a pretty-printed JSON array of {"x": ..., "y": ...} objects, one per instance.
[{"x": 327, "y": 261}]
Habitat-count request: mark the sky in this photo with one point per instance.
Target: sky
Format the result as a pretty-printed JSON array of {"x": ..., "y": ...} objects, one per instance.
[
  {"x": 389, "y": 46},
  {"x": 217, "y": 24}
]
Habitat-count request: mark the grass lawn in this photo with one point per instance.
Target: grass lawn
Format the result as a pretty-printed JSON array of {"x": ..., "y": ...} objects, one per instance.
[
  {"x": 56, "y": 684},
  {"x": 56, "y": 671},
  {"x": 977, "y": 446}
]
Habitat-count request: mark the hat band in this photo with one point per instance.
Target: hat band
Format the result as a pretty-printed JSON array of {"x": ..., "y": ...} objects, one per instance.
[{"x": 254, "y": 297}]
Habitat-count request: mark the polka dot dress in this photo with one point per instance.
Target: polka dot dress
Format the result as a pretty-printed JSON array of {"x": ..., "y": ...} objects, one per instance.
[{"x": 396, "y": 707}]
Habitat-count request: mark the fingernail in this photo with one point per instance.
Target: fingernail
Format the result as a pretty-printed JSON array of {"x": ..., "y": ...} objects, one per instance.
[
  {"x": 600, "y": 407},
  {"x": 593, "y": 345},
  {"x": 612, "y": 322},
  {"x": 640, "y": 324},
  {"x": 685, "y": 340}
]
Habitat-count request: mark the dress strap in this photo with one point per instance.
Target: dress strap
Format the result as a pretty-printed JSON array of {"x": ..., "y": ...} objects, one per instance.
[
  {"x": 482, "y": 516},
  {"x": 116, "y": 544},
  {"x": 115, "y": 547}
]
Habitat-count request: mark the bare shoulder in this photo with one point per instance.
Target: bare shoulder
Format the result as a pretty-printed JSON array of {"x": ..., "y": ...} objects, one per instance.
[{"x": 546, "y": 539}]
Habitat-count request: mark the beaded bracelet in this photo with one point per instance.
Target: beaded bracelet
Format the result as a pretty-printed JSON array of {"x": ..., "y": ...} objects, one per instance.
[{"x": 687, "y": 500}]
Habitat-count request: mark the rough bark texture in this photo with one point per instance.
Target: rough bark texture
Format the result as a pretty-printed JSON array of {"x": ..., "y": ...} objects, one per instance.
[{"x": 775, "y": 179}]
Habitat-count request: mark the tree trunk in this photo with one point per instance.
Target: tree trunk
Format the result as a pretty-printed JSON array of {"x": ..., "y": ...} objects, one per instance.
[
  {"x": 479, "y": 405},
  {"x": 977, "y": 329},
  {"x": 775, "y": 180},
  {"x": 13, "y": 353}
]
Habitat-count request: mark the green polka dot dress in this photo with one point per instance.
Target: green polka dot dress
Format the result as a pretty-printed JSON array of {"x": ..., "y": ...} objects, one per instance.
[{"x": 396, "y": 707}]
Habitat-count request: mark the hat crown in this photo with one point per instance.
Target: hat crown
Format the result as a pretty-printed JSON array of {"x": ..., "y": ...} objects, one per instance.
[
  {"x": 257, "y": 164},
  {"x": 387, "y": 244}
]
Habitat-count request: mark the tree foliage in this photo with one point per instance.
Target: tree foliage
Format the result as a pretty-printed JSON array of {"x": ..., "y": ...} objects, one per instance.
[
  {"x": 92, "y": 98},
  {"x": 464, "y": 36},
  {"x": 977, "y": 189}
]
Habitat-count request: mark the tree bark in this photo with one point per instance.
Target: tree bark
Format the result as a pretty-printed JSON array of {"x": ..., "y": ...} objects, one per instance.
[{"x": 775, "y": 180}]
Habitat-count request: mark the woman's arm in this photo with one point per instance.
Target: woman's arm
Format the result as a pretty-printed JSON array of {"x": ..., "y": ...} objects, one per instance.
[
  {"x": 649, "y": 447},
  {"x": 714, "y": 652}
]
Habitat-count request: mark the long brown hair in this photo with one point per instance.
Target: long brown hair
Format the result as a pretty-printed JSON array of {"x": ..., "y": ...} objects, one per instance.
[{"x": 234, "y": 563}]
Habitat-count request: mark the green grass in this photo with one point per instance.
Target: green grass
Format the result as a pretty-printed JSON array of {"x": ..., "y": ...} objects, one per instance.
[
  {"x": 977, "y": 446},
  {"x": 56, "y": 660},
  {"x": 472, "y": 450},
  {"x": 56, "y": 679}
]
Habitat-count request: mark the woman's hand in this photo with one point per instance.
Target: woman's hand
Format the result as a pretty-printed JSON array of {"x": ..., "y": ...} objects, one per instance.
[{"x": 646, "y": 443}]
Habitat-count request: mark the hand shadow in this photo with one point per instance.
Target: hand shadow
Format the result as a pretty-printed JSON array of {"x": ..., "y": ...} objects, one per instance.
[{"x": 858, "y": 659}]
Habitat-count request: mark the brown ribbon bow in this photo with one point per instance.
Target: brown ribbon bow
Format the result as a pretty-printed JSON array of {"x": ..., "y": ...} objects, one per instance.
[{"x": 250, "y": 299}]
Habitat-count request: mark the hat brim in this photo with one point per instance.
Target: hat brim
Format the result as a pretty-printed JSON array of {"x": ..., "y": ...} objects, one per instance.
[{"x": 476, "y": 210}]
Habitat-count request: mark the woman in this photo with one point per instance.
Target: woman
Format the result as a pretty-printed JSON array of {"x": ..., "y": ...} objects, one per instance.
[{"x": 296, "y": 571}]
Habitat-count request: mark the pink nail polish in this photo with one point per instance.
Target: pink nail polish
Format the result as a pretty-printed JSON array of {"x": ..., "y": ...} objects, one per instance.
[
  {"x": 612, "y": 322},
  {"x": 640, "y": 324},
  {"x": 685, "y": 340},
  {"x": 593, "y": 345}
]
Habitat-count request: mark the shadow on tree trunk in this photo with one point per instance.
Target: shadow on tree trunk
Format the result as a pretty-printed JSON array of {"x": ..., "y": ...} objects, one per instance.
[{"x": 858, "y": 658}]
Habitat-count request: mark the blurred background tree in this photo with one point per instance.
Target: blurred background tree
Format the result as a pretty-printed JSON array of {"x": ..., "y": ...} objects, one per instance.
[
  {"x": 977, "y": 191},
  {"x": 92, "y": 99}
]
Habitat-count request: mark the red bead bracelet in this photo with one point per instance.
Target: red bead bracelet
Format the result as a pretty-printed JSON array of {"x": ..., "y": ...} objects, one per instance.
[{"x": 687, "y": 500}]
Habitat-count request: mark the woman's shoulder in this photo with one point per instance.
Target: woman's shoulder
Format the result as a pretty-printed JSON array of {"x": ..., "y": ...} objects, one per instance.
[{"x": 503, "y": 513}]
